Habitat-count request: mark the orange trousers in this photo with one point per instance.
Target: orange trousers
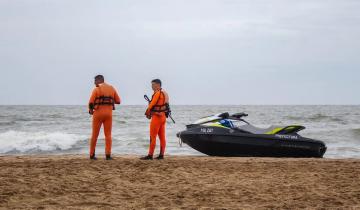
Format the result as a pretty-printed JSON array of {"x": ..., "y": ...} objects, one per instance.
[
  {"x": 102, "y": 116},
  {"x": 157, "y": 128}
]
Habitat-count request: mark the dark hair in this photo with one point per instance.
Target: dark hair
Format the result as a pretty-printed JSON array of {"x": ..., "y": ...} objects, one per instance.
[
  {"x": 157, "y": 81},
  {"x": 99, "y": 77}
]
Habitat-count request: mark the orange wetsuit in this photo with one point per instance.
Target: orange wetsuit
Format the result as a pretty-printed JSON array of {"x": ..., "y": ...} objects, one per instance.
[
  {"x": 156, "y": 109},
  {"x": 102, "y": 102}
]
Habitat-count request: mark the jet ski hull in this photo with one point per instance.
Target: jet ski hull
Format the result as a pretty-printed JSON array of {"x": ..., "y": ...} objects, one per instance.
[{"x": 214, "y": 141}]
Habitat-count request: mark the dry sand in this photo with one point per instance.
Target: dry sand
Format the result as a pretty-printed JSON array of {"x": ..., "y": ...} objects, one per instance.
[{"x": 74, "y": 182}]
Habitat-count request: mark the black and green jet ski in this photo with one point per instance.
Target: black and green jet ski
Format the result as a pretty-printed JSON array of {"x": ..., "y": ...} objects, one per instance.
[{"x": 231, "y": 136}]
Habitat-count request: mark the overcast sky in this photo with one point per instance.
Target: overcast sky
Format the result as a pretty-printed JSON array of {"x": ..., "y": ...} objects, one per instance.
[{"x": 205, "y": 51}]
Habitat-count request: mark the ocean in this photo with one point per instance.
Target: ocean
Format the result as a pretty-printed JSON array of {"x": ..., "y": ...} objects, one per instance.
[{"x": 66, "y": 129}]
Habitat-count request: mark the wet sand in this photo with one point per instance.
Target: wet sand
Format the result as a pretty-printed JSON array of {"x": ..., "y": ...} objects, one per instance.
[{"x": 74, "y": 182}]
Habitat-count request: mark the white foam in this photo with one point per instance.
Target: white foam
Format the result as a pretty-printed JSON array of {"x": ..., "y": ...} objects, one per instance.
[{"x": 20, "y": 141}]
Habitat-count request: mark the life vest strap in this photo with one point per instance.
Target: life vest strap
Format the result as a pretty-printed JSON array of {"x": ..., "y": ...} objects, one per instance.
[
  {"x": 161, "y": 108},
  {"x": 104, "y": 100}
]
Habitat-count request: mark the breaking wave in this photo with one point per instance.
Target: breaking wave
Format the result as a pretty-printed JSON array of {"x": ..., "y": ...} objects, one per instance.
[{"x": 27, "y": 142}]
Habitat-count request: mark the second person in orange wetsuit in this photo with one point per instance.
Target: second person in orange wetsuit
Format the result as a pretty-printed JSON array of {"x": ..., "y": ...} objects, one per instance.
[
  {"x": 101, "y": 104},
  {"x": 156, "y": 111}
]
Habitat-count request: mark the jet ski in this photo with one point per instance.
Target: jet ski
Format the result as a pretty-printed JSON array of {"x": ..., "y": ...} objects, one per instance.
[{"x": 232, "y": 136}]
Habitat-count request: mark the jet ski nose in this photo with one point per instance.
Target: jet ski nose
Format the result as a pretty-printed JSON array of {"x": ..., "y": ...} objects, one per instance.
[{"x": 322, "y": 151}]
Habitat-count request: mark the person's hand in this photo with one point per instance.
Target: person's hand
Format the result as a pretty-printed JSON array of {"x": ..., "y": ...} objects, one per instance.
[
  {"x": 148, "y": 114},
  {"x": 91, "y": 112}
]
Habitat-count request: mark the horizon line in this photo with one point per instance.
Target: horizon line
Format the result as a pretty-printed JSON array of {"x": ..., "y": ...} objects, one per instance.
[{"x": 189, "y": 105}]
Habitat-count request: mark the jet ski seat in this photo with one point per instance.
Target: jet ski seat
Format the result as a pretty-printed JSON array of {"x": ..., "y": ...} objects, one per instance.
[
  {"x": 272, "y": 129},
  {"x": 256, "y": 130}
]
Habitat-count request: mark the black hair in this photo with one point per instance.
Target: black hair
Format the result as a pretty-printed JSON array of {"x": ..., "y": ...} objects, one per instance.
[
  {"x": 99, "y": 77},
  {"x": 157, "y": 81}
]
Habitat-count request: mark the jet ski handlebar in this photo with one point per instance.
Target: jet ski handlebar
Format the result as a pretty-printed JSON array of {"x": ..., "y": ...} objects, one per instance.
[
  {"x": 226, "y": 115},
  {"x": 239, "y": 115}
]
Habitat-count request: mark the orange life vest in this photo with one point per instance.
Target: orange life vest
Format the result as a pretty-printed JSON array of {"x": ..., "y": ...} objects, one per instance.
[
  {"x": 161, "y": 105},
  {"x": 104, "y": 96}
]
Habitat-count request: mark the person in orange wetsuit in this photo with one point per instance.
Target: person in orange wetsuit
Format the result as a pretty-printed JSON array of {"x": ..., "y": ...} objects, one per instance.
[
  {"x": 157, "y": 112},
  {"x": 101, "y": 104}
]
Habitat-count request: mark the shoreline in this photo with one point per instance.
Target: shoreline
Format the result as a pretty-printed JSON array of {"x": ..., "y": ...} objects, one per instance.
[{"x": 74, "y": 182}]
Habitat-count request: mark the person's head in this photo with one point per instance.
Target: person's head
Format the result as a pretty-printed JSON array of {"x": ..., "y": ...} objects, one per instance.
[
  {"x": 156, "y": 84},
  {"x": 99, "y": 79}
]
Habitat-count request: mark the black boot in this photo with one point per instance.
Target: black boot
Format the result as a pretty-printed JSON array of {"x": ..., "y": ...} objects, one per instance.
[
  {"x": 147, "y": 157},
  {"x": 92, "y": 157},
  {"x": 160, "y": 157},
  {"x": 108, "y": 157}
]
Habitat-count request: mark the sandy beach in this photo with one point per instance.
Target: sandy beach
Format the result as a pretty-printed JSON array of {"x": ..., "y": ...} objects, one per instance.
[{"x": 181, "y": 182}]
